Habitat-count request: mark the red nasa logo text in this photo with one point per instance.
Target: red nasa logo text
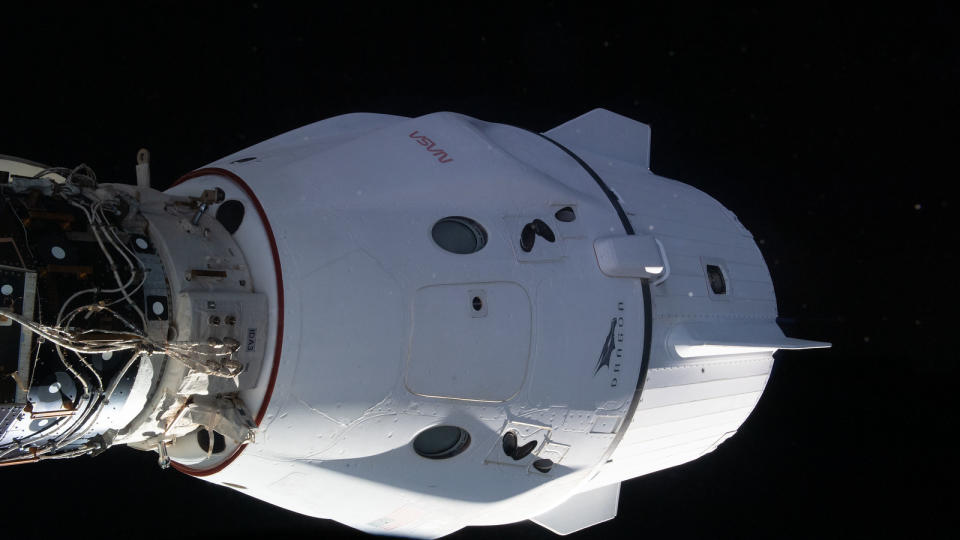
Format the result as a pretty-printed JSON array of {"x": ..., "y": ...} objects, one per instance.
[{"x": 425, "y": 141}]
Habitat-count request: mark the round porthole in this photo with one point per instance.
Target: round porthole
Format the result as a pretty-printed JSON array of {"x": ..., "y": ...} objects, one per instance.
[
  {"x": 203, "y": 439},
  {"x": 441, "y": 442},
  {"x": 459, "y": 235}
]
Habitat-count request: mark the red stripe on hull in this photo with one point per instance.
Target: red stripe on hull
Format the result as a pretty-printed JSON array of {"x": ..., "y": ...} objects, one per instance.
[{"x": 279, "y": 340}]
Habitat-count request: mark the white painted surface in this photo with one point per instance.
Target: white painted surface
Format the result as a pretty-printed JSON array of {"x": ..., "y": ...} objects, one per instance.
[
  {"x": 634, "y": 256},
  {"x": 379, "y": 342},
  {"x": 582, "y": 510},
  {"x": 449, "y": 342}
]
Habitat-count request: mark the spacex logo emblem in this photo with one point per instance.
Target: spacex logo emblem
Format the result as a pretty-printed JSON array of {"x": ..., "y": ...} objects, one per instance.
[
  {"x": 608, "y": 347},
  {"x": 611, "y": 355}
]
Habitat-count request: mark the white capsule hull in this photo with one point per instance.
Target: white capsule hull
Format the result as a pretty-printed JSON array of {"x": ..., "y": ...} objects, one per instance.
[{"x": 376, "y": 335}]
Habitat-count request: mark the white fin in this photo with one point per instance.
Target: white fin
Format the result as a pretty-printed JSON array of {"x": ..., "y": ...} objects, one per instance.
[
  {"x": 700, "y": 339},
  {"x": 607, "y": 134},
  {"x": 582, "y": 510}
]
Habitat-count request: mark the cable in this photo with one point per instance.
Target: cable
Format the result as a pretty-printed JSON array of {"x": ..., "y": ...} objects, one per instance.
[
  {"x": 214, "y": 358},
  {"x": 113, "y": 267},
  {"x": 26, "y": 236}
]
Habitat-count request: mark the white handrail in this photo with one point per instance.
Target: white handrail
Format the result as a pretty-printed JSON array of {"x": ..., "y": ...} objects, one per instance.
[{"x": 666, "y": 263}]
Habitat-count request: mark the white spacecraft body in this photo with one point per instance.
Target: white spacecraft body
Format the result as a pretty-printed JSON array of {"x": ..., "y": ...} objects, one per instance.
[{"x": 446, "y": 322}]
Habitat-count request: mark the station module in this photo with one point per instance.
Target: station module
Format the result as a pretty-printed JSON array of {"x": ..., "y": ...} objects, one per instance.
[{"x": 407, "y": 325}]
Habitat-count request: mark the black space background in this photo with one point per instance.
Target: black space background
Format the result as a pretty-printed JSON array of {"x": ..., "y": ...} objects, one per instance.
[{"x": 829, "y": 132}]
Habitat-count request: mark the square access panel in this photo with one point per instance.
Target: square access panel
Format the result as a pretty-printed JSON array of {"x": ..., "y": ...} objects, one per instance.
[{"x": 457, "y": 354}]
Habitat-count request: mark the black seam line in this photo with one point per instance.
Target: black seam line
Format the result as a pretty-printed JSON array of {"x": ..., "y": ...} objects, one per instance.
[
  {"x": 627, "y": 226},
  {"x": 647, "y": 306},
  {"x": 641, "y": 380}
]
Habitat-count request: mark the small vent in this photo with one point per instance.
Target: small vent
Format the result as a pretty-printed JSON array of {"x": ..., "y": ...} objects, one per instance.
[
  {"x": 565, "y": 214},
  {"x": 543, "y": 465},
  {"x": 533, "y": 229},
  {"x": 511, "y": 449}
]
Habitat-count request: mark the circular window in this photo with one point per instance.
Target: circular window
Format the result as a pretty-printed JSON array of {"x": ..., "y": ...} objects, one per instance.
[
  {"x": 203, "y": 439},
  {"x": 441, "y": 442},
  {"x": 459, "y": 235}
]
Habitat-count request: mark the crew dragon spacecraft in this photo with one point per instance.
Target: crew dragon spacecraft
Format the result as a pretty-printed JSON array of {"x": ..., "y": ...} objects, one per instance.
[{"x": 407, "y": 325}]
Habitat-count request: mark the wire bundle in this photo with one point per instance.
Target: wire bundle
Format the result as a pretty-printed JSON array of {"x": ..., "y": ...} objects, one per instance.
[{"x": 214, "y": 359}]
